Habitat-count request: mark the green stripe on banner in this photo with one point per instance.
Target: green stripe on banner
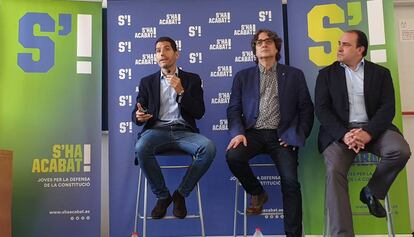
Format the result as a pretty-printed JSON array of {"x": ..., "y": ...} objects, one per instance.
[{"x": 50, "y": 114}]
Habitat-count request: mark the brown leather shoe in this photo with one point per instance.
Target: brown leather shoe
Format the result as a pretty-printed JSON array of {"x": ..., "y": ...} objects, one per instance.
[
  {"x": 180, "y": 210},
  {"x": 256, "y": 204},
  {"x": 160, "y": 208}
]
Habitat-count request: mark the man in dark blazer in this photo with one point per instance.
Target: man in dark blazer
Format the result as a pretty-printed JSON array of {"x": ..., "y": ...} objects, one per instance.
[
  {"x": 270, "y": 111},
  {"x": 354, "y": 102},
  {"x": 168, "y": 103}
]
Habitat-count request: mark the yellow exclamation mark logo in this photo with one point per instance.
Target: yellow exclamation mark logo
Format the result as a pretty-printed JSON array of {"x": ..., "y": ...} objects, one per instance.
[
  {"x": 84, "y": 44},
  {"x": 86, "y": 157}
]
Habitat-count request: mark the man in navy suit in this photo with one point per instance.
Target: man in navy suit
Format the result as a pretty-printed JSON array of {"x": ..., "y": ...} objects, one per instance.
[
  {"x": 355, "y": 104},
  {"x": 168, "y": 103},
  {"x": 270, "y": 111}
]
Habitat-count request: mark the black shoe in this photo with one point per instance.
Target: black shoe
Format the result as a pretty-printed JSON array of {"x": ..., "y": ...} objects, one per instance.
[
  {"x": 160, "y": 208},
  {"x": 256, "y": 204},
  {"x": 180, "y": 210},
  {"x": 374, "y": 206}
]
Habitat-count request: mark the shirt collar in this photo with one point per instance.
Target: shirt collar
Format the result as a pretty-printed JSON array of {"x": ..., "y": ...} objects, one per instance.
[
  {"x": 162, "y": 75},
  {"x": 360, "y": 64},
  {"x": 263, "y": 70}
]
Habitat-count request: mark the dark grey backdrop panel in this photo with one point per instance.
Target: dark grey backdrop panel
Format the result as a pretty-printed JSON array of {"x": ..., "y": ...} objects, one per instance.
[{"x": 214, "y": 41}]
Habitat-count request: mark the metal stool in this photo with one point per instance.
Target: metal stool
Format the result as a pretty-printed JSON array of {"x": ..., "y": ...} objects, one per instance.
[
  {"x": 243, "y": 213},
  {"x": 366, "y": 158},
  {"x": 145, "y": 217}
]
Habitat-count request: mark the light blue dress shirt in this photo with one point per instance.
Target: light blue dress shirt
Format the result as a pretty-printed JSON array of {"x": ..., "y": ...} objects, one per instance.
[
  {"x": 355, "y": 86},
  {"x": 169, "y": 111}
]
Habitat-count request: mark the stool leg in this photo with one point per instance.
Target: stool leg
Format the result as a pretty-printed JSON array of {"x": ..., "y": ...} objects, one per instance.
[
  {"x": 245, "y": 215},
  {"x": 325, "y": 216},
  {"x": 137, "y": 202},
  {"x": 236, "y": 195},
  {"x": 144, "y": 227},
  {"x": 200, "y": 208},
  {"x": 388, "y": 210}
]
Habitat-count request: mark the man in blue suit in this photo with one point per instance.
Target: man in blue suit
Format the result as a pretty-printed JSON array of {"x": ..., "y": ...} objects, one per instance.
[
  {"x": 168, "y": 103},
  {"x": 270, "y": 111}
]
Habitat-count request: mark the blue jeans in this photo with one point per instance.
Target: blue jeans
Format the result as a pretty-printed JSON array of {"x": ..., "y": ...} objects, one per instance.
[{"x": 177, "y": 137}]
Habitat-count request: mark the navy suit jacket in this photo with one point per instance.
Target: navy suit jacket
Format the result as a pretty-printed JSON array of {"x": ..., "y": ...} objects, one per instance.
[
  {"x": 332, "y": 103},
  {"x": 296, "y": 107},
  {"x": 191, "y": 105}
]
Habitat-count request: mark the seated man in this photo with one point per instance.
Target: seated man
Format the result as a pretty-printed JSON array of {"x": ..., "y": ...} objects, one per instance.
[
  {"x": 270, "y": 111},
  {"x": 354, "y": 102},
  {"x": 168, "y": 103}
]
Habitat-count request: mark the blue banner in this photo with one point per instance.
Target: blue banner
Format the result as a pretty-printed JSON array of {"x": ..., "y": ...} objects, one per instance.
[{"x": 213, "y": 38}]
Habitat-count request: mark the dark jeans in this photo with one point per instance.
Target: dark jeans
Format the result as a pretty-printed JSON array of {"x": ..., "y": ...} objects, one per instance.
[{"x": 286, "y": 161}]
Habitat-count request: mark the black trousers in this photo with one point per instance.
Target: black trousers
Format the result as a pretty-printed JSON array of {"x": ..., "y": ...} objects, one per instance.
[{"x": 286, "y": 161}]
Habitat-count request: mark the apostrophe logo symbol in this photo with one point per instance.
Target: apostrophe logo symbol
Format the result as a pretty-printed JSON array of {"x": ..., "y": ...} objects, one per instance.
[{"x": 32, "y": 29}]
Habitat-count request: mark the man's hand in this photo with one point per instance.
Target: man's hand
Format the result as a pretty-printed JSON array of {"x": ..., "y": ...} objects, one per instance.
[
  {"x": 362, "y": 137},
  {"x": 175, "y": 83},
  {"x": 140, "y": 115},
  {"x": 356, "y": 139},
  {"x": 236, "y": 141},
  {"x": 282, "y": 143}
]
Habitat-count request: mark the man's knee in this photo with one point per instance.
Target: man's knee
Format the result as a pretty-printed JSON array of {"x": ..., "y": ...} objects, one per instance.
[
  {"x": 140, "y": 146},
  {"x": 210, "y": 148},
  {"x": 405, "y": 152},
  {"x": 232, "y": 156}
]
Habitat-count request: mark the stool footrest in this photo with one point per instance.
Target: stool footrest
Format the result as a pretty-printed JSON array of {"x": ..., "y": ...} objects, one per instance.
[
  {"x": 174, "y": 166},
  {"x": 261, "y": 214},
  {"x": 172, "y": 217}
]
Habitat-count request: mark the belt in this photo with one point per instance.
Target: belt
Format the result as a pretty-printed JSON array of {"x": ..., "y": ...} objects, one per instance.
[
  {"x": 176, "y": 127},
  {"x": 357, "y": 124}
]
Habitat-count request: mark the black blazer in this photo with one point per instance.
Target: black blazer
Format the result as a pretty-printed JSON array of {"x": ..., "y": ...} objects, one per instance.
[
  {"x": 296, "y": 107},
  {"x": 191, "y": 105},
  {"x": 332, "y": 104}
]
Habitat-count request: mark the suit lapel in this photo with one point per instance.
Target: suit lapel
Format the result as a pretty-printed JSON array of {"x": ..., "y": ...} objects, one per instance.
[
  {"x": 156, "y": 89},
  {"x": 368, "y": 77},
  {"x": 256, "y": 85},
  {"x": 281, "y": 81},
  {"x": 342, "y": 87},
  {"x": 183, "y": 78}
]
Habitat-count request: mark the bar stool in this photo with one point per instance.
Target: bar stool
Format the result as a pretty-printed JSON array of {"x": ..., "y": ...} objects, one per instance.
[
  {"x": 365, "y": 159},
  {"x": 244, "y": 212},
  {"x": 144, "y": 217}
]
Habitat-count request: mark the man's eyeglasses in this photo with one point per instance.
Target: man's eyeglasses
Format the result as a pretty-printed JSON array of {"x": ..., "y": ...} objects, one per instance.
[{"x": 267, "y": 41}]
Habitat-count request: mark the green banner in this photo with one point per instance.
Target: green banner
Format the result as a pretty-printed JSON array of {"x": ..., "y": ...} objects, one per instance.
[
  {"x": 314, "y": 30},
  {"x": 50, "y": 114}
]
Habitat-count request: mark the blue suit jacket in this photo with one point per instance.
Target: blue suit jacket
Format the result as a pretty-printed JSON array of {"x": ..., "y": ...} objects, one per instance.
[
  {"x": 192, "y": 102},
  {"x": 296, "y": 107}
]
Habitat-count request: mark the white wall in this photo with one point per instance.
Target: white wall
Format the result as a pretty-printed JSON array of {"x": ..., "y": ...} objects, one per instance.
[{"x": 404, "y": 9}]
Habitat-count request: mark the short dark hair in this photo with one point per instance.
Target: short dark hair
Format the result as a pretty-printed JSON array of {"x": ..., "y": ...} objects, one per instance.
[
  {"x": 167, "y": 39},
  {"x": 272, "y": 35},
  {"x": 362, "y": 40}
]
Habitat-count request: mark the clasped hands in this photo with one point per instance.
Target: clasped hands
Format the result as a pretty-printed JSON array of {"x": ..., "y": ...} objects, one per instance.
[{"x": 356, "y": 139}]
